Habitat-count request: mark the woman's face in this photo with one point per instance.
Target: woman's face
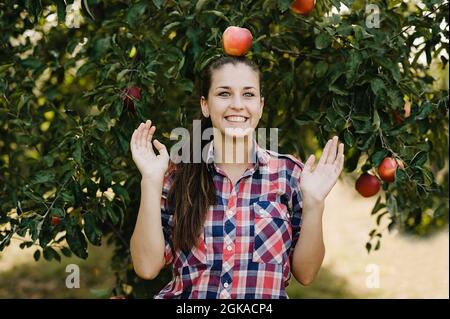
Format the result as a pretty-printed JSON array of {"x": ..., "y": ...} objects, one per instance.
[{"x": 234, "y": 102}]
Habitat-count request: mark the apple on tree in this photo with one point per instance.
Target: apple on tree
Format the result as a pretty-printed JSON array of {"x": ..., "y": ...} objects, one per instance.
[
  {"x": 55, "y": 220},
  {"x": 367, "y": 185},
  {"x": 236, "y": 41},
  {"x": 406, "y": 113},
  {"x": 131, "y": 94},
  {"x": 303, "y": 7},
  {"x": 387, "y": 169}
]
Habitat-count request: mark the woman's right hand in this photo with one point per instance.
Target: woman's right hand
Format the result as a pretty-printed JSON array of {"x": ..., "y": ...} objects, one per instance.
[{"x": 149, "y": 164}]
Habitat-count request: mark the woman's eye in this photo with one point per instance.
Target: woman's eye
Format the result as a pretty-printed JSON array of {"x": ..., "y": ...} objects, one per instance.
[{"x": 250, "y": 94}]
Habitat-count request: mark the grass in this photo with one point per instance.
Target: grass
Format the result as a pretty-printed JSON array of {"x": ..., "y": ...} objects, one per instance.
[
  {"x": 44, "y": 279},
  {"x": 326, "y": 286}
]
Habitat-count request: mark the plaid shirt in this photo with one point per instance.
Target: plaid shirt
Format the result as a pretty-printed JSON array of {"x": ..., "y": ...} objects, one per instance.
[{"x": 248, "y": 238}]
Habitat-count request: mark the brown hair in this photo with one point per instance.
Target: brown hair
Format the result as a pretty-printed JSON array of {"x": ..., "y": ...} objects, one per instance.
[{"x": 193, "y": 190}]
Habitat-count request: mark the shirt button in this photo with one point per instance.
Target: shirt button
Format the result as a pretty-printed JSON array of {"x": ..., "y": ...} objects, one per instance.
[
  {"x": 229, "y": 213},
  {"x": 225, "y": 285},
  {"x": 229, "y": 248}
]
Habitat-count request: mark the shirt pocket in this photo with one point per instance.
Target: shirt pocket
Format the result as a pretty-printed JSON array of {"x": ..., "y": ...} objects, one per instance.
[{"x": 272, "y": 232}]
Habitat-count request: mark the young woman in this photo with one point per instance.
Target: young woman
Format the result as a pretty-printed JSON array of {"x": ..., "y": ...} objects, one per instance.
[{"x": 230, "y": 229}]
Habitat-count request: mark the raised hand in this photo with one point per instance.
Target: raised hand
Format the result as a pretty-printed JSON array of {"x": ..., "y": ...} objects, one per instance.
[
  {"x": 317, "y": 182},
  {"x": 149, "y": 164}
]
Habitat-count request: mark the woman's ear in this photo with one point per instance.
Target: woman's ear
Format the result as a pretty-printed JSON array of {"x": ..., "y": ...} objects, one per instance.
[{"x": 204, "y": 106}]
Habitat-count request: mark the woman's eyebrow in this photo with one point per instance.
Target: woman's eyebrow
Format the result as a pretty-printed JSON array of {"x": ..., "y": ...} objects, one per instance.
[{"x": 229, "y": 88}]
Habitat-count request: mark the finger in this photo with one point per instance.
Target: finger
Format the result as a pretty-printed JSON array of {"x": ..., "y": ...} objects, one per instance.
[
  {"x": 310, "y": 162},
  {"x": 161, "y": 148},
  {"x": 339, "y": 164},
  {"x": 139, "y": 137},
  {"x": 151, "y": 131},
  {"x": 147, "y": 137},
  {"x": 332, "y": 151},
  {"x": 324, "y": 155},
  {"x": 147, "y": 127},
  {"x": 133, "y": 139}
]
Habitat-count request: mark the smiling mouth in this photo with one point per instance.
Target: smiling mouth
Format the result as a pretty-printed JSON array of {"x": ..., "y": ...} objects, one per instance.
[{"x": 236, "y": 119}]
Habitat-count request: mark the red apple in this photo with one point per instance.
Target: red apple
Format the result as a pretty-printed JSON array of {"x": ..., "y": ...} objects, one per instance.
[
  {"x": 131, "y": 94},
  {"x": 406, "y": 113},
  {"x": 367, "y": 185},
  {"x": 236, "y": 41},
  {"x": 387, "y": 169},
  {"x": 55, "y": 220},
  {"x": 303, "y": 7}
]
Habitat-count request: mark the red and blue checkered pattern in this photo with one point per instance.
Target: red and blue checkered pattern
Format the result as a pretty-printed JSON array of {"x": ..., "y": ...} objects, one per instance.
[{"x": 246, "y": 246}]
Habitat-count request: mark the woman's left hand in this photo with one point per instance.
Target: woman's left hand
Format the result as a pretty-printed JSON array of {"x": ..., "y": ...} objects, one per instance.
[{"x": 317, "y": 182}]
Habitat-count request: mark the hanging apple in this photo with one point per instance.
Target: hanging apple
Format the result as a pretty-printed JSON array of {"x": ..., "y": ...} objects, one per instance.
[
  {"x": 387, "y": 169},
  {"x": 131, "y": 94},
  {"x": 367, "y": 185},
  {"x": 303, "y": 7},
  {"x": 55, "y": 220}
]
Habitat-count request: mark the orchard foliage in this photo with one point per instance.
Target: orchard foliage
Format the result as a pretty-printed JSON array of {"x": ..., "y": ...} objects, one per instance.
[{"x": 64, "y": 146}]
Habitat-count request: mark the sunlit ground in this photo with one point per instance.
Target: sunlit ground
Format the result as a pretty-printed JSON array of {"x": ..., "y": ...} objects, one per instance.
[{"x": 407, "y": 268}]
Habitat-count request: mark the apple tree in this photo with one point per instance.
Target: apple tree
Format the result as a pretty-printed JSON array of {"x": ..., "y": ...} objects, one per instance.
[{"x": 76, "y": 78}]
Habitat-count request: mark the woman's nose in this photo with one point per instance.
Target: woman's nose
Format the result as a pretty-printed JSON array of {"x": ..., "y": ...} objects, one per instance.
[{"x": 237, "y": 102}]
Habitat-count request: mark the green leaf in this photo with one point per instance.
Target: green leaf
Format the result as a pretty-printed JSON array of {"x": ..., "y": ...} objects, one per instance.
[
  {"x": 77, "y": 153},
  {"x": 5, "y": 67},
  {"x": 348, "y": 138},
  {"x": 283, "y": 5},
  {"x": 158, "y": 3},
  {"x": 425, "y": 109},
  {"x": 378, "y": 205},
  {"x": 419, "y": 159},
  {"x": 86, "y": 6},
  {"x": 322, "y": 41},
  {"x": 61, "y": 10},
  {"x": 123, "y": 143},
  {"x": 376, "y": 120},
  {"x": 117, "y": 108},
  {"x": 37, "y": 255},
  {"x": 122, "y": 193},
  {"x": 75, "y": 239},
  {"x": 90, "y": 227},
  {"x": 400, "y": 176},
  {"x": 66, "y": 251},
  {"x": 378, "y": 156},
  {"x": 42, "y": 177},
  {"x": 31, "y": 63},
  {"x": 135, "y": 12},
  {"x": 321, "y": 69},
  {"x": 168, "y": 27},
  {"x": 115, "y": 218},
  {"x": 391, "y": 205},
  {"x": 218, "y": 14},
  {"x": 200, "y": 4},
  {"x": 50, "y": 254},
  {"x": 377, "y": 86}
]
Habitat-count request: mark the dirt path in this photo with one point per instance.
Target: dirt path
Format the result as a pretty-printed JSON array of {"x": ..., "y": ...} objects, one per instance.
[{"x": 408, "y": 268}]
